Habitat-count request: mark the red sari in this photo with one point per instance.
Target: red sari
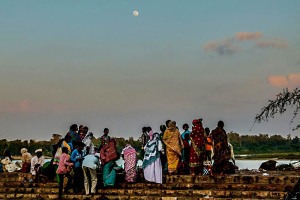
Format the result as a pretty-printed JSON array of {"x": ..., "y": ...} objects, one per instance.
[{"x": 197, "y": 149}]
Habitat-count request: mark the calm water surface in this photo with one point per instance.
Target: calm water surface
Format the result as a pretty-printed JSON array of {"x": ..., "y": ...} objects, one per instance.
[{"x": 254, "y": 164}]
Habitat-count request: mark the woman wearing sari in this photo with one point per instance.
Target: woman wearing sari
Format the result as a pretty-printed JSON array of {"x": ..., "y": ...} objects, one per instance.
[
  {"x": 130, "y": 160},
  {"x": 152, "y": 164},
  {"x": 108, "y": 155},
  {"x": 221, "y": 150},
  {"x": 174, "y": 145},
  {"x": 197, "y": 150}
]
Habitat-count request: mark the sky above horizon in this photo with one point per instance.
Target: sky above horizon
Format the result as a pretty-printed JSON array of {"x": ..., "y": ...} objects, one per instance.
[{"x": 94, "y": 63}]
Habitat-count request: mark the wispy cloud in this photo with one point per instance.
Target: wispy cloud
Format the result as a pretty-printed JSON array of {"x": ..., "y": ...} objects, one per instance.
[
  {"x": 290, "y": 81},
  {"x": 226, "y": 47},
  {"x": 233, "y": 44},
  {"x": 247, "y": 35},
  {"x": 272, "y": 43},
  {"x": 26, "y": 106}
]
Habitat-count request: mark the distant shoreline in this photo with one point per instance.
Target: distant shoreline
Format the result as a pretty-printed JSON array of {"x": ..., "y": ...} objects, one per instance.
[
  {"x": 20, "y": 157},
  {"x": 269, "y": 156}
]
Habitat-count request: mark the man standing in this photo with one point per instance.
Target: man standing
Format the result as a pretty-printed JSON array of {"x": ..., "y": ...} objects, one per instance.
[
  {"x": 144, "y": 139},
  {"x": 208, "y": 145},
  {"x": 77, "y": 158},
  {"x": 90, "y": 165},
  {"x": 37, "y": 163}
]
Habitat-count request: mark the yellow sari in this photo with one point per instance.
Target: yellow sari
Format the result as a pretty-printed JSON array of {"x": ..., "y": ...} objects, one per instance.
[{"x": 174, "y": 145}]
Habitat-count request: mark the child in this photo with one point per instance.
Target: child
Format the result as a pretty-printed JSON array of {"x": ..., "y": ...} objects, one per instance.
[{"x": 64, "y": 168}]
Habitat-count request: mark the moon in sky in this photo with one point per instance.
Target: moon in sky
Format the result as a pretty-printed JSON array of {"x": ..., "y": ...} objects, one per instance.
[{"x": 135, "y": 13}]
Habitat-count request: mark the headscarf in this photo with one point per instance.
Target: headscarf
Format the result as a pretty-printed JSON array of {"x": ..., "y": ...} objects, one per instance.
[
  {"x": 197, "y": 137},
  {"x": 128, "y": 150},
  {"x": 150, "y": 133},
  {"x": 26, "y": 156},
  {"x": 38, "y": 150},
  {"x": 197, "y": 121},
  {"x": 172, "y": 138},
  {"x": 23, "y": 150},
  {"x": 172, "y": 125}
]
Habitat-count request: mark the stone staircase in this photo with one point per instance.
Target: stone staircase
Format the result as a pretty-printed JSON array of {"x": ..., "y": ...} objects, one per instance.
[{"x": 243, "y": 185}]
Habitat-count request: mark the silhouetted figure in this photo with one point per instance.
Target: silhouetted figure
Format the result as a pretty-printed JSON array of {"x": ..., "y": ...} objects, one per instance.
[{"x": 222, "y": 154}]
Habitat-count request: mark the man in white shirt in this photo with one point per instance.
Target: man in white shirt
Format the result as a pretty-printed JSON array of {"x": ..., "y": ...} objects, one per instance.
[
  {"x": 89, "y": 146},
  {"x": 36, "y": 163},
  {"x": 90, "y": 165}
]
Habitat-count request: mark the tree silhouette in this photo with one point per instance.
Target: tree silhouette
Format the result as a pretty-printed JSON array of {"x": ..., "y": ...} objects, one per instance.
[{"x": 283, "y": 100}]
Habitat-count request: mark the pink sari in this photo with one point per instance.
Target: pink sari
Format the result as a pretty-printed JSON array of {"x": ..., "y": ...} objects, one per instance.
[{"x": 130, "y": 160}]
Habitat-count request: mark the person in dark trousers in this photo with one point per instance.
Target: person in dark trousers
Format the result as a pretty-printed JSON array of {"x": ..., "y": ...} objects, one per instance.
[
  {"x": 63, "y": 170},
  {"x": 144, "y": 139},
  {"x": 208, "y": 144},
  {"x": 77, "y": 158}
]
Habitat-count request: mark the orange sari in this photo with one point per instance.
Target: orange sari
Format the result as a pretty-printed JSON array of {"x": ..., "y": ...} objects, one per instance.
[{"x": 174, "y": 145}]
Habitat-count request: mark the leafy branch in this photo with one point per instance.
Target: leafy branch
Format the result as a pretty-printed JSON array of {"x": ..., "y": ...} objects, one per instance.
[{"x": 283, "y": 100}]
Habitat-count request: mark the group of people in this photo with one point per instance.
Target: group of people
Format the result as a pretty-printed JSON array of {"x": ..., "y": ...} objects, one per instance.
[
  {"x": 76, "y": 158},
  {"x": 29, "y": 164},
  {"x": 196, "y": 152}
]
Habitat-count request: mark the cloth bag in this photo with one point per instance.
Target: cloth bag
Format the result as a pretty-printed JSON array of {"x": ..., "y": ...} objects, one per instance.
[{"x": 108, "y": 152}]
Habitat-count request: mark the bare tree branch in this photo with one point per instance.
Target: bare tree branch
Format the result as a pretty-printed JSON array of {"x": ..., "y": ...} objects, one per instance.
[{"x": 283, "y": 100}]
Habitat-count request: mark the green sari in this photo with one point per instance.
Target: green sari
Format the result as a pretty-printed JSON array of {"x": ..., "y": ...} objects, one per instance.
[{"x": 109, "y": 174}]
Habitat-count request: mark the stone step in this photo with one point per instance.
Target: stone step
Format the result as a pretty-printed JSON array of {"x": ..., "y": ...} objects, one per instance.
[
  {"x": 199, "y": 186},
  {"x": 194, "y": 192},
  {"x": 242, "y": 179},
  {"x": 127, "y": 197},
  {"x": 188, "y": 179},
  {"x": 238, "y": 186},
  {"x": 157, "y": 192}
]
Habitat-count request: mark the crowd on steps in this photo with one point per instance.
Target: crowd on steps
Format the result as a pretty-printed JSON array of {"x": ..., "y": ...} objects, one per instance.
[{"x": 78, "y": 161}]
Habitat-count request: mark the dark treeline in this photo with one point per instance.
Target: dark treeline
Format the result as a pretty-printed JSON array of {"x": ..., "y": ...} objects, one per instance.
[
  {"x": 242, "y": 144},
  {"x": 263, "y": 143}
]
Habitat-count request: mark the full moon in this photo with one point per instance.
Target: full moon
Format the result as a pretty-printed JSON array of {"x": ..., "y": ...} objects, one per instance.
[{"x": 135, "y": 13}]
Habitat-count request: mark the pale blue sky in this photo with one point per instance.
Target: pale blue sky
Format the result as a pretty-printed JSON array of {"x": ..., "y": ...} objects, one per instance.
[{"x": 94, "y": 63}]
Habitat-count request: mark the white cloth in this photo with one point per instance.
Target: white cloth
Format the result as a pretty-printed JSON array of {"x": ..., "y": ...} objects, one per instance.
[
  {"x": 35, "y": 160},
  {"x": 153, "y": 172},
  {"x": 231, "y": 151},
  {"x": 8, "y": 165}
]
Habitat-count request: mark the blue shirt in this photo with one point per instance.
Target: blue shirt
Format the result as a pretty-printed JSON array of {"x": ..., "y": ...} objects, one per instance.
[
  {"x": 185, "y": 132},
  {"x": 74, "y": 158}
]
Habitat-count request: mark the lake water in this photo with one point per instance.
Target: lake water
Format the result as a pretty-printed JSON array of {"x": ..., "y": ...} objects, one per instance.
[{"x": 255, "y": 164}]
